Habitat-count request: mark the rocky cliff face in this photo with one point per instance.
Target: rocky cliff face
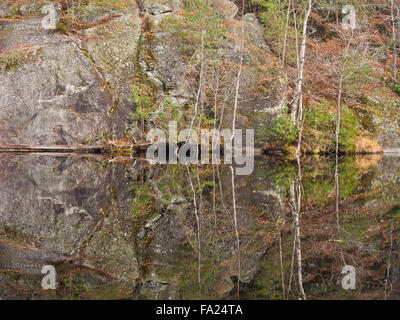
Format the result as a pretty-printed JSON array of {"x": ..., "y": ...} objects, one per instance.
[
  {"x": 50, "y": 93},
  {"x": 109, "y": 66},
  {"x": 54, "y": 89},
  {"x": 59, "y": 88}
]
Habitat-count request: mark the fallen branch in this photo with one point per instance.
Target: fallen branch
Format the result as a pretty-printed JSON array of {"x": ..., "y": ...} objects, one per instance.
[{"x": 107, "y": 148}]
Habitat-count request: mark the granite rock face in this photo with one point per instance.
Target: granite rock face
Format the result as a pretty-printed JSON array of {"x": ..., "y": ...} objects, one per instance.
[
  {"x": 113, "y": 49},
  {"x": 64, "y": 89},
  {"x": 50, "y": 93},
  {"x": 58, "y": 89}
]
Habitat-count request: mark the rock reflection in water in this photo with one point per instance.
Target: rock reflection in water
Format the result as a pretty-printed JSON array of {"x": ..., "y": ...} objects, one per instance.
[{"x": 125, "y": 229}]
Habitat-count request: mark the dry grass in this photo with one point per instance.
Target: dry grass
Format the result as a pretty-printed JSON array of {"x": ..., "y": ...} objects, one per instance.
[{"x": 365, "y": 145}]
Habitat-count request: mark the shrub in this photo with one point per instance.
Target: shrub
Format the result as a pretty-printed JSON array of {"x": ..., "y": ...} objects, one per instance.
[
  {"x": 283, "y": 131},
  {"x": 320, "y": 128}
]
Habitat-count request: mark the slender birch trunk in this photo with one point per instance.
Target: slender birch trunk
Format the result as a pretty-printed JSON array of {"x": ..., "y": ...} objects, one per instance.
[
  {"x": 302, "y": 55},
  {"x": 297, "y": 106},
  {"x": 338, "y": 111},
  {"x": 294, "y": 107},
  {"x": 339, "y": 96},
  {"x": 286, "y": 32},
  {"x": 281, "y": 261},
  {"x": 199, "y": 90},
  {"x": 394, "y": 41},
  {"x": 292, "y": 264},
  {"x": 238, "y": 75}
]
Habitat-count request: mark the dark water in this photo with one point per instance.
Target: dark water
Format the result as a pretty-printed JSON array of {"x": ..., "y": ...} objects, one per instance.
[{"x": 123, "y": 229}]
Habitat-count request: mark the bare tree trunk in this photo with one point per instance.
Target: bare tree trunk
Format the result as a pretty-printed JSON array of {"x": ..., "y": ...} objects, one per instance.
[
  {"x": 292, "y": 266},
  {"x": 338, "y": 110},
  {"x": 299, "y": 83},
  {"x": 300, "y": 126},
  {"x": 281, "y": 261},
  {"x": 388, "y": 275},
  {"x": 394, "y": 41},
  {"x": 279, "y": 40},
  {"x": 199, "y": 90},
  {"x": 340, "y": 92},
  {"x": 238, "y": 76},
  {"x": 286, "y": 32},
  {"x": 294, "y": 107}
]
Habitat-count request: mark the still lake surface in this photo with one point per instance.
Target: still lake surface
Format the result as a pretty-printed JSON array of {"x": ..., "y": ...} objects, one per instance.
[{"x": 123, "y": 229}]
